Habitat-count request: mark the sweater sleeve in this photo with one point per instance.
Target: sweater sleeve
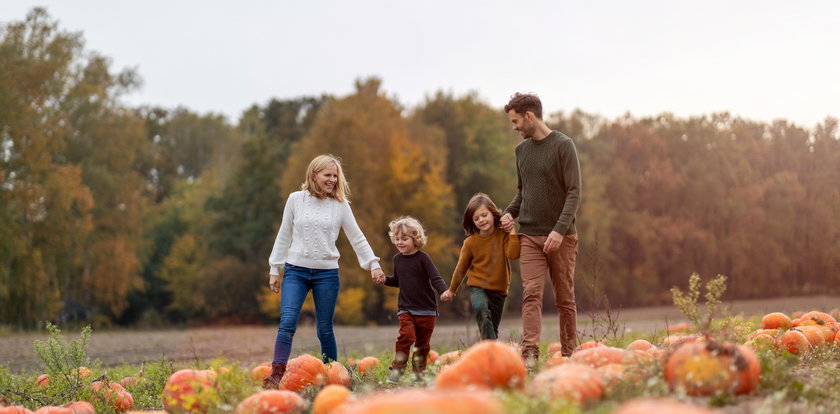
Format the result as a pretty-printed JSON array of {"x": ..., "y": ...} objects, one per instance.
[
  {"x": 393, "y": 280},
  {"x": 464, "y": 261},
  {"x": 283, "y": 241},
  {"x": 367, "y": 260},
  {"x": 434, "y": 275},
  {"x": 571, "y": 180},
  {"x": 511, "y": 246}
]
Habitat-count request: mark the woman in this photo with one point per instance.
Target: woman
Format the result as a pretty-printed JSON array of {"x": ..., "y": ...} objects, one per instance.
[{"x": 305, "y": 249}]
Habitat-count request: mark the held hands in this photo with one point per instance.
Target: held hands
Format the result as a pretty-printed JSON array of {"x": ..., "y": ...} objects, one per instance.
[
  {"x": 378, "y": 276},
  {"x": 447, "y": 296},
  {"x": 552, "y": 243},
  {"x": 274, "y": 283},
  {"x": 507, "y": 223}
]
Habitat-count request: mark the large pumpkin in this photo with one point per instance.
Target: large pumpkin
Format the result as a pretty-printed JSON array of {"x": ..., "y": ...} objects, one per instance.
[
  {"x": 707, "y": 368},
  {"x": 330, "y": 398},
  {"x": 775, "y": 320},
  {"x": 794, "y": 342},
  {"x": 425, "y": 401},
  {"x": 338, "y": 374},
  {"x": 487, "y": 364},
  {"x": 302, "y": 372},
  {"x": 272, "y": 402},
  {"x": 571, "y": 381},
  {"x": 189, "y": 391}
]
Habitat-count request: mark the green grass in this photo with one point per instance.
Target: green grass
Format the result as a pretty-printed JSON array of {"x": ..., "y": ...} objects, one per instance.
[{"x": 789, "y": 383}]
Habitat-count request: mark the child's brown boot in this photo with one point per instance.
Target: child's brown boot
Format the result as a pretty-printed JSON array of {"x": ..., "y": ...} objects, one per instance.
[{"x": 272, "y": 382}]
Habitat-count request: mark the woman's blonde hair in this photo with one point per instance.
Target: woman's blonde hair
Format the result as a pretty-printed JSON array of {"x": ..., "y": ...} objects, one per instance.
[
  {"x": 410, "y": 227},
  {"x": 340, "y": 192}
]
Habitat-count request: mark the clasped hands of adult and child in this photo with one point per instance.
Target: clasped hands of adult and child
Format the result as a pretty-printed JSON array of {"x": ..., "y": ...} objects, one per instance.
[
  {"x": 552, "y": 242},
  {"x": 446, "y": 296}
]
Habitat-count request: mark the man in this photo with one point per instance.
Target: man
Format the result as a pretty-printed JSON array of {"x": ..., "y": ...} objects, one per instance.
[{"x": 546, "y": 201}]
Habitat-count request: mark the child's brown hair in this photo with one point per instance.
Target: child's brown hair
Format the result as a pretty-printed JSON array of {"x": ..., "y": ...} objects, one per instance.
[{"x": 478, "y": 200}]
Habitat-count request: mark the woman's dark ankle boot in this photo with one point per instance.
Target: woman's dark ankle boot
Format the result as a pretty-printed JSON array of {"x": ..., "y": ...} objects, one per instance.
[{"x": 272, "y": 382}]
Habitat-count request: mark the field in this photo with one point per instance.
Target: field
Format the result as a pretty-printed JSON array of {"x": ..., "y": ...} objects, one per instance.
[{"x": 124, "y": 351}]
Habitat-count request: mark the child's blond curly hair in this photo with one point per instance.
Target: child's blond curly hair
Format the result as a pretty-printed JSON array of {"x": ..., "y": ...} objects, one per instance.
[{"x": 410, "y": 227}]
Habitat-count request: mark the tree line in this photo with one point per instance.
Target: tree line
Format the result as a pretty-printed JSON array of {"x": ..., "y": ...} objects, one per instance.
[{"x": 148, "y": 216}]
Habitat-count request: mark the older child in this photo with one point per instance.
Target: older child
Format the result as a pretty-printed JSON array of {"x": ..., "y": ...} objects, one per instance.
[
  {"x": 485, "y": 261},
  {"x": 418, "y": 279}
]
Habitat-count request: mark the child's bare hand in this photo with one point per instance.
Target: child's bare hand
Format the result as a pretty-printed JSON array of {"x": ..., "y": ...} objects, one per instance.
[
  {"x": 447, "y": 296},
  {"x": 378, "y": 276}
]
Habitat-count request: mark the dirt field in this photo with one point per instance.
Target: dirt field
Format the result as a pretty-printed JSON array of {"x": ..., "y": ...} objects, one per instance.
[{"x": 252, "y": 344}]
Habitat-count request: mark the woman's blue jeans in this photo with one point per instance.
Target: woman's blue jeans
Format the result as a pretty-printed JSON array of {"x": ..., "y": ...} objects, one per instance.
[{"x": 297, "y": 282}]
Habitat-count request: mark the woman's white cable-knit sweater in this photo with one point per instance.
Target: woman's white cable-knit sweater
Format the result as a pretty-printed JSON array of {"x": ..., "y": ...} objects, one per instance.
[{"x": 308, "y": 233}]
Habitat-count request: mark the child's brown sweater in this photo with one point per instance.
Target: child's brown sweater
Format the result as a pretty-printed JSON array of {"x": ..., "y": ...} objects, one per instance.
[{"x": 485, "y": 261}]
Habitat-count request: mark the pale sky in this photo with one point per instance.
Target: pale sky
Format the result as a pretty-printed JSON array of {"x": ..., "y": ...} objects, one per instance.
[{"x": 762, "y": 60}]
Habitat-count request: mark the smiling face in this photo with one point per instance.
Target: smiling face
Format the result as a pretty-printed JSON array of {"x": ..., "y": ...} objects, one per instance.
[
  {"x": 327, "y": 178},
  {"x": 405, "y": 243},
  {"x": 523, "y": 123},
  {"x": 484, "y": 220}
]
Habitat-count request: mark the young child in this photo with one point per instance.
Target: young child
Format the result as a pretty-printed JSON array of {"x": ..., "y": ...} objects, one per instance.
[
  {"x": 418, "y": 279},
  {"x": 485, "y": 261}
]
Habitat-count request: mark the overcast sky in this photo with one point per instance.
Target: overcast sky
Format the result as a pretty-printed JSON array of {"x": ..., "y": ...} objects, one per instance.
[{"x": 759, "y": 59}]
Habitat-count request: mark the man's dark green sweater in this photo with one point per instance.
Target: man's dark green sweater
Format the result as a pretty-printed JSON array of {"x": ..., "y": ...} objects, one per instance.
[{"x": 548, "y": 195}]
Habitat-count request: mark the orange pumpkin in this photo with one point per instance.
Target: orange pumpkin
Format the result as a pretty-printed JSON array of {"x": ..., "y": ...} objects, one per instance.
[
  {"x": 260, "y": 371},
  {"x": 748, "y": 378},
  {"x": 760, "y": 341},
  {"x": 425, "y": 401},
  {"x": 303, "y": 371},
  {"x": 114, "y": 394},
  {"x": 645, "y": 405},
  {"x": 272, "y": 402},
  {"x": 611, "y": 373},
  {"x": 775, "y": 320},
  {"x": 43, "y": 380},
  {"x": 554, "y": 347},
  {"x": 15, "y": 409},
  {"x": 707, "y": 368},
  {"x": 639, "y": 345},
  {"x": 189, "y": 391},
  {"x": 366, "y": 365},
  {"x": 53, "y": 410},
  {"x": 588, "y": 345},
  {"x": 556, "y": 359},
  {"x": 815, "y": 334},
  {"x": 433, "y": 356},
  {"x": 603, "y": 355},
  {"x": 570, "y": 381},
  {"x": 772, "y": 332},
  {"x": 794, "y": 342},
  {"x": 330, "y": 398},
  {"x": 448, "y": 358},
  {"x": 338, "y": 374},
  {"x": 820, "y": 316},
  {"x": 81, "y": 407},
  {"x": 487, "y": 364}
]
